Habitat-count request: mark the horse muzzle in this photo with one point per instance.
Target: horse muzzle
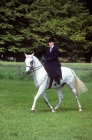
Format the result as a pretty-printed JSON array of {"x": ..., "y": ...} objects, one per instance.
[{"x": 28, "y": 70}]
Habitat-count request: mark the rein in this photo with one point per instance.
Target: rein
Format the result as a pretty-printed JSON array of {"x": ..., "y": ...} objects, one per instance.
[{"x": 36, "y": 68}]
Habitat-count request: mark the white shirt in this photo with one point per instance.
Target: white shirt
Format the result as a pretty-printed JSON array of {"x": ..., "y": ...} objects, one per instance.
[{"x": 51, "y": 47}]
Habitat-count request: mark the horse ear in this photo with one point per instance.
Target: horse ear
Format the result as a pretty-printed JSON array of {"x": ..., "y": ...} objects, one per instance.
[
  {"x": 25, "y": 54},
  {"x": 33, "y": 54}
]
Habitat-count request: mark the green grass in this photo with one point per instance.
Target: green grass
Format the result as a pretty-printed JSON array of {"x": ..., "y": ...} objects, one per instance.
[
  {"x": 9, "y": 63},
  {"x": 10, "y": 70},
  {"x": 78, "y": 65},
  {"x": 17, "y": 123}
]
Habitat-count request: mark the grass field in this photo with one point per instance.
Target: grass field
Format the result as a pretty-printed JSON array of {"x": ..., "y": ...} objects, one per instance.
[{"x": 17, "y": 123}]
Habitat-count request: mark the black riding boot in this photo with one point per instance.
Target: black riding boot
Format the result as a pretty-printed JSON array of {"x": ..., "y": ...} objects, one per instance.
[{"x": 57, "y": 79}]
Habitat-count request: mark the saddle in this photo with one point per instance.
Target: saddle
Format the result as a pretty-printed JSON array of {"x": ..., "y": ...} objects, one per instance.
[{"x": 57, "y": 79}]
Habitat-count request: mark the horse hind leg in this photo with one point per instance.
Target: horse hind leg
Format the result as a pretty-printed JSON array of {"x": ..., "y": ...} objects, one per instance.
[
  {"x": 60, "y": 96},
  {"x": 47, "y": 102},
  {"x": 72, "y": 87}
]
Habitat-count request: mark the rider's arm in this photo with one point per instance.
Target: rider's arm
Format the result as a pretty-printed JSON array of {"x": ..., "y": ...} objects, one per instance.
[{"x": 55, "y": 56}]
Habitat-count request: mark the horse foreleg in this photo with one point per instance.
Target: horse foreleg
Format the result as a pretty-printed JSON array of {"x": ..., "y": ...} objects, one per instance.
[
  {"x": 47, "y": 102},
  {"x": 60, "y": 96},
  {"x": 40, "y": 91}
]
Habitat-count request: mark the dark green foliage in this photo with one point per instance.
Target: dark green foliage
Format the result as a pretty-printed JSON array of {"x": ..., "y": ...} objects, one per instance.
[{"x": 26, "y": 25}]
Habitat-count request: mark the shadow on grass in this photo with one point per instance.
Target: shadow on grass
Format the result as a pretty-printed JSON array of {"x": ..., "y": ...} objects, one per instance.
[{"x": 60, "y": 110}]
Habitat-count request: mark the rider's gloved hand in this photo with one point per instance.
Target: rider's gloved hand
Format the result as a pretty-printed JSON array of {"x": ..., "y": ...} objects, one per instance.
[{"x": 49, "y": 59}]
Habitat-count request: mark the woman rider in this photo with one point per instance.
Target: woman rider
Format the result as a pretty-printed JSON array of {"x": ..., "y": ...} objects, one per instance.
[{"x": 51, "y": 62}]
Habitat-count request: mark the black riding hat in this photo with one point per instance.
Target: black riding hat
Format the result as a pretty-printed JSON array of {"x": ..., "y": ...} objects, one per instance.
[{"x": 51, "y": 39}]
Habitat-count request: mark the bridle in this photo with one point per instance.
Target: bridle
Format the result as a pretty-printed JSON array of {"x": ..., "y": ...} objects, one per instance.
[{"x": 34, "y": 69}]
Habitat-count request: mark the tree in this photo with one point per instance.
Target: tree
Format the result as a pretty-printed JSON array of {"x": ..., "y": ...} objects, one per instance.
[
  {"x": 13, "y": 25},
  {"x": 88, "y": 4},
  {"x": 25, "y": 26}
]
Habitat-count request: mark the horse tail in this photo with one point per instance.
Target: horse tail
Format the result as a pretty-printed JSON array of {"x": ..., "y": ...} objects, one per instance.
[{"x": 79, "y": 85}]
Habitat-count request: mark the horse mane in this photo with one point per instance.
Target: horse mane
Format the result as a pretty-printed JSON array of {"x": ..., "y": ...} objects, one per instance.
[{"x": 37, "y": 60}]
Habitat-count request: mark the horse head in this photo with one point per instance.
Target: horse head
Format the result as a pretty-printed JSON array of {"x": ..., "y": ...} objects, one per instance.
[{"x": 29, "y": 63}]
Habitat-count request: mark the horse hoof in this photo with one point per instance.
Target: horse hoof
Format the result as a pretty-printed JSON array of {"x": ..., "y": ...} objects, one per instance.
[
  {"x": 56, "y": 109},
  {"x": 80, "y": 110},
  {"x": 32, "y": 111},
  {"x": 53, "y": 110}
]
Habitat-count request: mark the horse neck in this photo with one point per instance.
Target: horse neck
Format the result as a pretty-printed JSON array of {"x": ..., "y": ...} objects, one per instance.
[{"x": 36, "y": 62}]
